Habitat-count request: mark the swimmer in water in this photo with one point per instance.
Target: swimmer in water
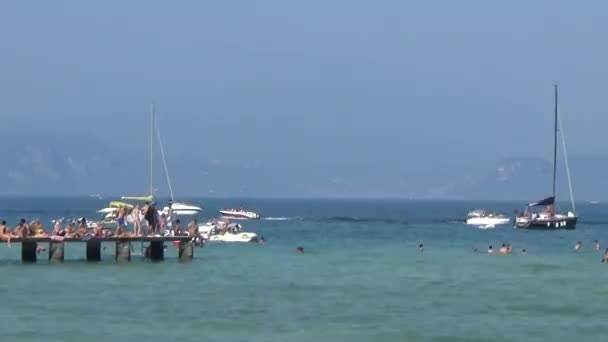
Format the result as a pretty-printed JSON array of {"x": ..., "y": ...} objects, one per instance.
[
  {"x": 523, "y": 251},
  {"x": 509, "y": 249},
  {"x": 300, "y": 250},
  {"x": 490, "y": 250},
  {"x": 578, "y": 246},
  {"x": 420, "y": 247},
  {"x": 503, "y": 249},
  {"x": 597, "y": 245},
  {"x": 605, "y": 257}
]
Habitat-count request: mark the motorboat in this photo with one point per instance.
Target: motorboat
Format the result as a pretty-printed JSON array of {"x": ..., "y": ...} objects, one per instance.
[
  {"x": 225, "y": 231},
  {"x": 548, "y": 217},
  {"x": 239, "y": 214},
  {"x": 481, "y": 217},
  {"x": 181, "y": 209}
]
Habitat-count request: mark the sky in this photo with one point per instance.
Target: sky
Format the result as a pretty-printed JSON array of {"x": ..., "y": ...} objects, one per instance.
[{"x": 346, "y": 84}]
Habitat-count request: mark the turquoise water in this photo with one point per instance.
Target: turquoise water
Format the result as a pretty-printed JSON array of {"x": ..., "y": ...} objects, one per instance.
[{"x": 361, "y": 279}]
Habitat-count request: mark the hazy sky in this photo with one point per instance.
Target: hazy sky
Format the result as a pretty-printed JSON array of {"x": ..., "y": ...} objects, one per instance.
[{"x": 340, "y": 82}]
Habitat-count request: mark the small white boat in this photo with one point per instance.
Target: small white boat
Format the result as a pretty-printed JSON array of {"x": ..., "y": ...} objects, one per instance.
[
  {"x": 182, "y": 209},
  {"x": 482, "y": 218},
  {"x": 239, "y": 214}
]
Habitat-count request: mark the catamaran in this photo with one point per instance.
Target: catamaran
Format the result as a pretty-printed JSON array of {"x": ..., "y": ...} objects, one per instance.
[{"x": 548, "y": 218}]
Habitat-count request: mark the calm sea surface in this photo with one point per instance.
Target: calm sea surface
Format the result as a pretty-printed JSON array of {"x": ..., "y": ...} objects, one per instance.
[{"x": 361, "y": 279}]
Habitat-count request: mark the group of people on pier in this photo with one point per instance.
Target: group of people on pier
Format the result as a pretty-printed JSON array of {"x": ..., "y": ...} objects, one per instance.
[{"x": 145, "y": 220}]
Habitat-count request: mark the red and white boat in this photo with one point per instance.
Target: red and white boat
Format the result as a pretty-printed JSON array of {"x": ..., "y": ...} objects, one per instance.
[{"x": 239, "y": 214}]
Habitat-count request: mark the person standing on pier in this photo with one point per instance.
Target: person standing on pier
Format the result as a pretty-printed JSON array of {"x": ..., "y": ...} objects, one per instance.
[
  {"x": 152, "y": 217},
  {"x": 136, "y": 220}
]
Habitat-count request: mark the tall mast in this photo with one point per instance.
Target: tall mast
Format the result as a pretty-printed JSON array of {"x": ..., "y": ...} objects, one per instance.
[
  {"x": 555, "y": 143},
  {"x": 152, "y": 150}
]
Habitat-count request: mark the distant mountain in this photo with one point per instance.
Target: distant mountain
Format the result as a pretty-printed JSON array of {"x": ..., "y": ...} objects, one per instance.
[
  {"x": 531, "y": 179},
  {"x": 79, "y": 164}
]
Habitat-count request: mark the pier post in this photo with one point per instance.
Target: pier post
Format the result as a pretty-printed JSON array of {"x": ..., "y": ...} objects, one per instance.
[
  {"x": 123, "y": 250},
  {"x": 186, "y": 250},
  {"x": 56, "y": 251},
  {"x": 157, "y": 250},
  {"x": 28, "y": 251},
  {"x": 94, "y": 250}
]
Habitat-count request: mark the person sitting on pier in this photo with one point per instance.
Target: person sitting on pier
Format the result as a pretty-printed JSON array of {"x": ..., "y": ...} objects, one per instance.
[
  {"x": 177, "y": 230},
  {"x": 38, "y": 229},
  {"x": 5, "y": 234},
  {"x": 98, "y": 230},
  {"x": 22, "y": 229},
  {"x": 193, "y": 228},
  {"x": 69, "y": 231},
  {"x": 121, "y": 232},
  {"x": 57, "y": 231}
]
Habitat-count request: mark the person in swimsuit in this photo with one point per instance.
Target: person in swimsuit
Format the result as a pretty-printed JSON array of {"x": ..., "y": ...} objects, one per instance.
[
  {"x": 162, "y": 223},
  {"x": 300, "y": 250},
  {"x": 597, "y": 245},
  {"x": 69, "y": 231},
  {"x": 605, "y": 257},
  {"x": 578, "y": 246},
  {"x": 178, "y": 228},
  {"x": 490, "y": 250},
  {"x": 193, "y": 228},
  {"x": 22, "y": 229},
  {"x": 5, "y": 234},
  {"x": 420, "y": 247},
  {"x": 98, "y": 231},
  {"x": 120, "y": 217},
  {"x": 503, "y": 249},
  {"x": 136, "y": 220}
]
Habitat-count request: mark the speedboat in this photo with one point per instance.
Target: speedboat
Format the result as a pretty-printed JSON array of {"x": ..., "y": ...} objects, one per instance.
[
  {"x": 481, "y": 217},
  {"x": 239, "y": 214}
]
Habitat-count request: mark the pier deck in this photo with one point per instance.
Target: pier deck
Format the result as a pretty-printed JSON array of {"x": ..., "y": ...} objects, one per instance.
[{"x": 155, "y": 251}]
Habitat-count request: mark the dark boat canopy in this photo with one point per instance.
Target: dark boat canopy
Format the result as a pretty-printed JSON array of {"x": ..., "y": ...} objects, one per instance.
[{"x": 546, "y": 201}]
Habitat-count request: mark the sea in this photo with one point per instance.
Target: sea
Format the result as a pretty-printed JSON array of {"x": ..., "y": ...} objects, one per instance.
[{"x": 361, "y": 278}]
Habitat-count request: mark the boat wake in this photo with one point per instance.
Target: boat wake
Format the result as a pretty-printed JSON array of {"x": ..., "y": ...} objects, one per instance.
[
  {"x": 354, "y": 219},
  {"x": 276, "y": 218}
]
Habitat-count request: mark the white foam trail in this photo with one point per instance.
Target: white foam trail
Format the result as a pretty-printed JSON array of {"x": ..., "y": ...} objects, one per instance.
[{"x": 275, "y": 218}]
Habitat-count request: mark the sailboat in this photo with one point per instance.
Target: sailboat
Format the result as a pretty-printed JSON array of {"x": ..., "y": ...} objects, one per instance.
[
  {"x": 549, "y": 218},
  {"x": 177, "y": 208},
  {"x": 173, "y": 208}
]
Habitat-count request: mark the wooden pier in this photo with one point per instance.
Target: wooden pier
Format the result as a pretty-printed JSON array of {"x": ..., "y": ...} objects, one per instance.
[{"x": 155, "y": 251}]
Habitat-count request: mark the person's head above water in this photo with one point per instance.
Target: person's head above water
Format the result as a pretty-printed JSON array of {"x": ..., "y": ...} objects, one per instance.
[
  {"x": 300, "y": 250},
  {"x": 3, "y": 223}
]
